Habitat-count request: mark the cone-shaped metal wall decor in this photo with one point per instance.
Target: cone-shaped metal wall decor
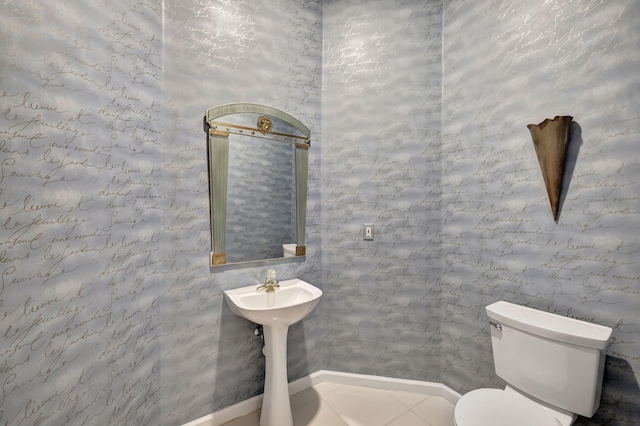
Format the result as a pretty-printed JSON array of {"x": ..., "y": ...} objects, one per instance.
[{"x": 550, "y": 139}]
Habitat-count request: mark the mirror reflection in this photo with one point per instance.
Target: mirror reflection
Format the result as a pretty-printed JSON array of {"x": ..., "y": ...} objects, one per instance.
[
  {"x": 258, "y": 161},
  {"x": 260, "y": 197}
]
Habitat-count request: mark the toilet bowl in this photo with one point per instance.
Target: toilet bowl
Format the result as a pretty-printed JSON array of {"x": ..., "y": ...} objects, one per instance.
[
  {"x": 497, "y": 407},
  {"x": 553, "y": 366}
]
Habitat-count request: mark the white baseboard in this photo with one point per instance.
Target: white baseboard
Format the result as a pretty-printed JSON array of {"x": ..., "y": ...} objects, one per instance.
[{"x": 377, "y": 382}]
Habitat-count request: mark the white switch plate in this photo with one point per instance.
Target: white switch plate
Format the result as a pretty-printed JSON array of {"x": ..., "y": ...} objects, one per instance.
[{"x": 368, "y": 231}]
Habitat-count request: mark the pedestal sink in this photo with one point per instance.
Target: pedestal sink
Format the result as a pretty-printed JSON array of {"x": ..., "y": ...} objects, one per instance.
[{"x": 275, "y": 311}]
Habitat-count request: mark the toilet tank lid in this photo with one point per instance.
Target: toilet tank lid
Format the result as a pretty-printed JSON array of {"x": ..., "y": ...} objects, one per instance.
[{"x": 551, "y": 326}]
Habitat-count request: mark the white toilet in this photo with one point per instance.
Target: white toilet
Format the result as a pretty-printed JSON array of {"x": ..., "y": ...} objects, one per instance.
[
  {"x": 289, "y": 250},
  {"x": 552, "y": 364}
]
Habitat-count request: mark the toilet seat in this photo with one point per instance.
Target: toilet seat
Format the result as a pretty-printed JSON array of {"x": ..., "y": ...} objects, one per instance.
[{"x": 495, "y": 407}]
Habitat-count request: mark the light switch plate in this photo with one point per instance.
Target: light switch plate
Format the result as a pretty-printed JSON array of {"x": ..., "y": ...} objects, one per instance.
[{"x": 367, "y": 231}]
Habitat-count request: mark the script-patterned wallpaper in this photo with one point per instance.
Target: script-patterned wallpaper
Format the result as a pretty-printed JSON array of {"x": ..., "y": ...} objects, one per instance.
[
  {"x": 508, "y": 64},
  {"x": 381, "y": 164},
  {"x": 81, "y": 201},
  {"x": 109, "y": 312},
  {"x": 216, "y": 53}
]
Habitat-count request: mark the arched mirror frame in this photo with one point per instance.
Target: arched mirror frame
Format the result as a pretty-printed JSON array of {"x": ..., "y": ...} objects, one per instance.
[{"x": 218, "y": 154}]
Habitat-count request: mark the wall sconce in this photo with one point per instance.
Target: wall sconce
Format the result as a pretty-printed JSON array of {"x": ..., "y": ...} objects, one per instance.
[{"x": 551, "y": 139}]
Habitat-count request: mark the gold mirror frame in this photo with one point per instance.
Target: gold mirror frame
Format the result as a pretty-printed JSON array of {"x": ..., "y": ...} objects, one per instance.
[{"x": 218, "y": 162}]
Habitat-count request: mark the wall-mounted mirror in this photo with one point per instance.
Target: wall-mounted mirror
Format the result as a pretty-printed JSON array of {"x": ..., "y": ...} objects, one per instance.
[{"x": 258, "y": 170}]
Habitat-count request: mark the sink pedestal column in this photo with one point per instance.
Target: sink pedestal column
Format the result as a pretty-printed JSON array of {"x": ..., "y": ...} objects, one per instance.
[{"x": 276, "y": 407}]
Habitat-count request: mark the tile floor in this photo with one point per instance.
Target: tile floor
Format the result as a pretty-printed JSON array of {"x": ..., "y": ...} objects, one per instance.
[{"x": 332, "y": 404}]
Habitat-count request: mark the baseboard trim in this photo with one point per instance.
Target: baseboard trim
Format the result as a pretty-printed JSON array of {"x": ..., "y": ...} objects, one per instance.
[{"x": 377, "y": 382}]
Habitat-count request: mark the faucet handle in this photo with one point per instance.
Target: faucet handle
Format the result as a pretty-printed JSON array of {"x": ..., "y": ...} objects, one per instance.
[
  {"x": 271, "y": 277},
  {"x": 270, "y": 284}
]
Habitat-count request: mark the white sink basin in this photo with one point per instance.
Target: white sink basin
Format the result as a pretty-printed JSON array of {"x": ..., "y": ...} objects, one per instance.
[
  {"x": 275, "y": 311},
  {"x": 282, "y": 307}
]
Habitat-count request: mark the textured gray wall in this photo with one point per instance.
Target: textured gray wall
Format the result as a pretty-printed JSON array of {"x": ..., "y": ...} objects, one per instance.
[
  {"x": 381, "y": 164},
  {"x": 82, "y": 197},
  {"x": 109, "y": 313},
  {"x": 217, "y": 53},
  {"x": 508, "y": 64}
]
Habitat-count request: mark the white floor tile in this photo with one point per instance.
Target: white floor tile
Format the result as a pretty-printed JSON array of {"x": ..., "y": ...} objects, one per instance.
[
  {"x": 359, "y": 406},
  {"x": 313, "y": 393},
  {"x": 437, "y": 411},
  {"x": 316, "y": 414},
  {"x": 308, "y": 395},
  {"x": 324, "y": 388},
  {"x": 408, "y": 399},
  {"x": 331, "y": 404},
  {"x": 251, "y": 419},
  {"x": 408, "y": 419}
]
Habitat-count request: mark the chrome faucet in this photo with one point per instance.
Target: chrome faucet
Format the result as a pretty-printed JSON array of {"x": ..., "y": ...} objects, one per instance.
[{"x": 270, "y": 284}]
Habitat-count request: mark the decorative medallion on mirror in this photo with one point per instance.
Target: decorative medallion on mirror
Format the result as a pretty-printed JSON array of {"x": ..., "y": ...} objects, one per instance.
[{"x": 258, "y": 160}]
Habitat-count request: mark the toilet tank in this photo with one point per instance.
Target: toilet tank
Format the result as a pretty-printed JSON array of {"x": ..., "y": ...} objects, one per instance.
[{"x": 555, "y": 359}]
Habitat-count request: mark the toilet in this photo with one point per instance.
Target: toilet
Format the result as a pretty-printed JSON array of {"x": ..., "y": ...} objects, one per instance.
[
  {"x": 552, "y": 364},
  {"x": 289, "y": 250}
]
